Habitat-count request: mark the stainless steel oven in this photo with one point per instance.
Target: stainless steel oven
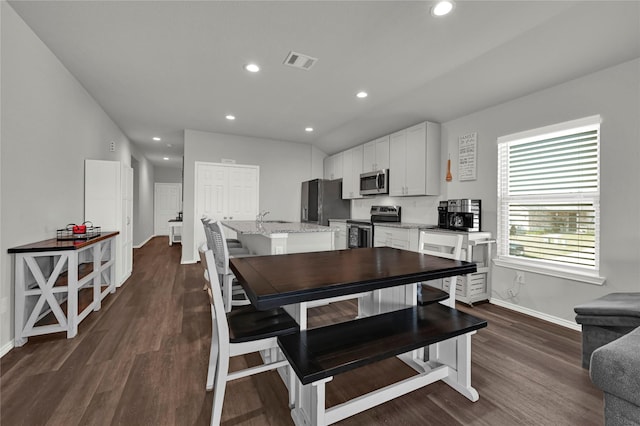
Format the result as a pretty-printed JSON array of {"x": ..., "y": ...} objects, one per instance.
[{"x": 359, "y": 234}]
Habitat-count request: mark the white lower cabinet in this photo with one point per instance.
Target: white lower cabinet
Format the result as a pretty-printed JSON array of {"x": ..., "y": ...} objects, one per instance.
[
  {"x": 402, "y": 238},
  {"x": 340, "y": 237},
  {"x": 471, "y": 288}
]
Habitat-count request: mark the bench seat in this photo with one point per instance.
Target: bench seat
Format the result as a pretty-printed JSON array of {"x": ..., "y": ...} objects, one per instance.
[{"x": 324, "y": 352}]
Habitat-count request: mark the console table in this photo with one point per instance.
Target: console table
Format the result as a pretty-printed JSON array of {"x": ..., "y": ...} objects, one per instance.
[
  {"x": 59, "y": 283},
  {"x": 175, "y": 224}
]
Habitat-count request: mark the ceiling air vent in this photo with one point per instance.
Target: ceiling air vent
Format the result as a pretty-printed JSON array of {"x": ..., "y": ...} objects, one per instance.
[{"x": 298, "y": 60}]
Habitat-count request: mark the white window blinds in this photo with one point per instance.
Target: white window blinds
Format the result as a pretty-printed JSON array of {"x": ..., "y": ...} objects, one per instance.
[{"x": 548, "y": 194}]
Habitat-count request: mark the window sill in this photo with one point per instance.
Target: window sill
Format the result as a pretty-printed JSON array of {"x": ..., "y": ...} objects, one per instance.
[{"x": 565, "y": 273}]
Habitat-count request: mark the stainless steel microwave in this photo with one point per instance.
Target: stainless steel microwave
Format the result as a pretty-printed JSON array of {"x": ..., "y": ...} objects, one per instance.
[{"x": 372, "y": 183}]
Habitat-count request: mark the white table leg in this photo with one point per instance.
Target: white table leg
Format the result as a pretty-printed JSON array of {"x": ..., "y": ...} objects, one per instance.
[
  {"x": 310, "y": 407},
  {"x": 456, "y": 353},
  {"x": 19, "y": 301},
  {"x": 299, "y": 313},
  {"x": 72, "y": 298}
]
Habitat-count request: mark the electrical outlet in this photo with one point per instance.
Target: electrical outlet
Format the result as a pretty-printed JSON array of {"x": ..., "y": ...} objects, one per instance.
[
  {"x": 511, "y": 292},
  {"x": 520, "y": 277}
]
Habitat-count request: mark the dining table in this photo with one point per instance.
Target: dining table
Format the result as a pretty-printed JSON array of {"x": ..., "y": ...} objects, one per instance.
[{"x": 389, "y": 277}]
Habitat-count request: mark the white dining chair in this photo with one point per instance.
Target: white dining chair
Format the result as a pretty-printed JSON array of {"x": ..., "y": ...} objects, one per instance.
[
  {"x": 446, "y": 245},
  {"x": 240, "y": 332}
]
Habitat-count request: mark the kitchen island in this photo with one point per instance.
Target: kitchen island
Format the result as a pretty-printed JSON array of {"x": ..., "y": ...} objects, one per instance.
[{"x": 281, "y": 237}]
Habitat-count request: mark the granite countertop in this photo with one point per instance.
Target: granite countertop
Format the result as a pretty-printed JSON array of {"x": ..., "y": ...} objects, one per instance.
[
  {"x": 406, "y": 225},
  {"x": 251, "y": 227}
]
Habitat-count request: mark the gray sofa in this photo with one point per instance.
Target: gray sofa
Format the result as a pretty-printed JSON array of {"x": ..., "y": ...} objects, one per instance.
[
  {"x": 606, "y": 319},
  {"x": 615, "y": 368}
]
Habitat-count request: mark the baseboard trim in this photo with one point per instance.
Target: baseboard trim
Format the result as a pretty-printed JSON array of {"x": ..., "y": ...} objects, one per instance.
[
  {"x": 6, "y": 348},
  {"x": 546, "y": 317},
  {"x": 144, "y": 242}
]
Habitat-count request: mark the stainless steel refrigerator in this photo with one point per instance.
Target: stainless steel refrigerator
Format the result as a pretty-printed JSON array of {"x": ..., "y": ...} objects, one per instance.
[{"x": 322, "y": 200}]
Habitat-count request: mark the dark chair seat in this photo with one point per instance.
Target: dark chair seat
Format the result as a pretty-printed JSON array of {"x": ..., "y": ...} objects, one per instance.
[
  {"x": 429, "y": 295},
  {"x": 247, "y": 324}
]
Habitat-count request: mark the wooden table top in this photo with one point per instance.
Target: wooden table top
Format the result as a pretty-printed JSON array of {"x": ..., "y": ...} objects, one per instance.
[
  {"x": 54, "y": 244},
  {"x": 278, "y": 280}
]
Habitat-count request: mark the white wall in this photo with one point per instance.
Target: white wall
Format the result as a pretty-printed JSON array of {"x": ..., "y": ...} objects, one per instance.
[
  {"x": 283, "y": 166},
  {"x": 613, "y": 93},
  {"x": 143, "y": 194},
  {"x": 167, "y": 174},
  {"x": 50, "y": 124}
]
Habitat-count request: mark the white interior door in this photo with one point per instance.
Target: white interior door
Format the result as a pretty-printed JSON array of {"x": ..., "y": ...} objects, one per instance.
[
  {"x": 224, "y": 192},
  {"x": 167, "y": 204}
]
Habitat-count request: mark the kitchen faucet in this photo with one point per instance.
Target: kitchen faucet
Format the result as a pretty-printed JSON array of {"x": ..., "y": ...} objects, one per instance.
[{"x": 261, "y": 215}]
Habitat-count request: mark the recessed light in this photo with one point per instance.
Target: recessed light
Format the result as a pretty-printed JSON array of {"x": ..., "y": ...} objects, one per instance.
[
  {"x": 155, "y": 138},
  {"x": 362, "y": 95},
  {"x": 442, "y": 8},
  {"x": 169, "y": 145},
  {"x": 165, "y": 158},
  {"x": 308, "y": 129},
  {"x": 252, "y": 67},
  {"x": 230, "y": 117}
]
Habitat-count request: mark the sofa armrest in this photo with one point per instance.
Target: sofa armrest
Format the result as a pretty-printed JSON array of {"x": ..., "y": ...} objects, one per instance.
[{"x": 615, "y": 367}]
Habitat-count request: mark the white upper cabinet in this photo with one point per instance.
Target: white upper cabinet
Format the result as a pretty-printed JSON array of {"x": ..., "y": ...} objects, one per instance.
[
  {"x": 376, "y": 155},
  {"x": 333, "y": 166},
  {"x": 351, "y": 169},
  {"x": 414, "y": 160}
]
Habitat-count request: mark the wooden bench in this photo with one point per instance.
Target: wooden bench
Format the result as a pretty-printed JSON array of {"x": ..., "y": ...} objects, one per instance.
[{"x": 318, "y": 354}]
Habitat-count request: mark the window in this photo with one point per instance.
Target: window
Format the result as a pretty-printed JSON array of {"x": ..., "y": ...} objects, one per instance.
[{"x": 548, "y": 197}]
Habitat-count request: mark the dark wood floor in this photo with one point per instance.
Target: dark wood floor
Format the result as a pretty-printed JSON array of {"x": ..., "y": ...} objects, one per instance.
[{"x": 142, "y": 360}]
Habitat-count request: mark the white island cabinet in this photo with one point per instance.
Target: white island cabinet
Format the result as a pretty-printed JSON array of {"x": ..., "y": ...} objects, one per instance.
[
  {"x": 280, "y": 237},
  {"x": 340, "y": 238}
]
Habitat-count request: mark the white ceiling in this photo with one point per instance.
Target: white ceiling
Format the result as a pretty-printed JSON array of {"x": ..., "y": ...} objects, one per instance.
[{"x": 159, "y": 67}]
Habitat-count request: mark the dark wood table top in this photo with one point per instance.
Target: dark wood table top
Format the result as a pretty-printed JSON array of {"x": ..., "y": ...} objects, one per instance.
[
  {"x": 278, "y": 280},
  {"x": 54, "y": 244}
]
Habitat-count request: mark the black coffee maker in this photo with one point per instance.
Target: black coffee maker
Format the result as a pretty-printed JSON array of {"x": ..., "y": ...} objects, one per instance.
[{"x": 443, "y": 210}]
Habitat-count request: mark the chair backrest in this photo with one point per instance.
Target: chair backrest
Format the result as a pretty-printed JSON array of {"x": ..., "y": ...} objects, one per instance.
[
  {"x": 207, "y": 232},
  {"x": 443, "y": 245},
  {"x": 218, "y": 314},
  {"x": 219, "y": 246}
]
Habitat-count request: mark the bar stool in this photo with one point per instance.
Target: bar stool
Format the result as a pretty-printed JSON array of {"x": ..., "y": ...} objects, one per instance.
[
  {"x": 230, "y": 286},
  {"x": 234, "y": 245},
  {"x": 241, "y": 297}
]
